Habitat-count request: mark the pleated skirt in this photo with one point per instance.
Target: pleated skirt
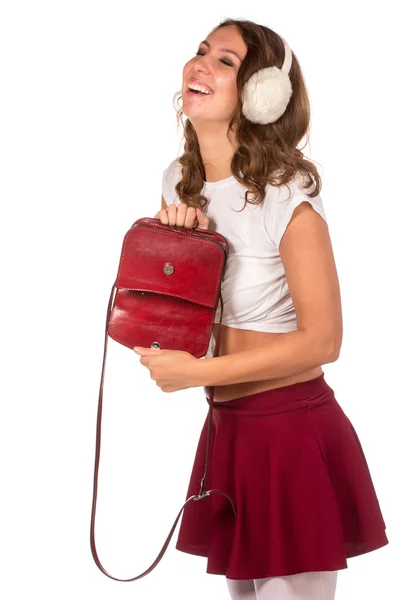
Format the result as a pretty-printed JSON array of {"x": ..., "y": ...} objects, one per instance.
[{"x": 292, "y": 463}]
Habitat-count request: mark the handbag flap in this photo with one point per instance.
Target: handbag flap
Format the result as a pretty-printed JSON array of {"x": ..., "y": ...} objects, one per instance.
[{"x": 173, "y": 261}]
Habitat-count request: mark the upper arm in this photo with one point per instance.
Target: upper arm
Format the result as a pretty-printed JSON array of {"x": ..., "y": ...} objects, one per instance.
[{"x": 307, "y": 257}]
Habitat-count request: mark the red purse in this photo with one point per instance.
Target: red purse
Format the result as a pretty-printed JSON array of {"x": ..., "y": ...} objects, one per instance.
[{"x": 166, "y": 295}]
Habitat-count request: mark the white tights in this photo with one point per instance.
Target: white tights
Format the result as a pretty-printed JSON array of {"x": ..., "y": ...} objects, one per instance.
[{"x": 314, "y": 585}]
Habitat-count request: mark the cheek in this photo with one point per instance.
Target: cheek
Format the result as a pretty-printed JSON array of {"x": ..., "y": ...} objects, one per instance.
[
  {"x": 230, "y": 92},
  {"x": 187, "y": 66}
]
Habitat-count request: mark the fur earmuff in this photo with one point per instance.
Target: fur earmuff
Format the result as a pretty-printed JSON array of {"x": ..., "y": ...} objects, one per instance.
[
  {"x": 267, "y": 92},
  {"x": 266, "y": 95}
]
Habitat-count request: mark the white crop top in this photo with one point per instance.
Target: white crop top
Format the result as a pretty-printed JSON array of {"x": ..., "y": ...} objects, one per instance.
[{"x": 254, "y": 289}]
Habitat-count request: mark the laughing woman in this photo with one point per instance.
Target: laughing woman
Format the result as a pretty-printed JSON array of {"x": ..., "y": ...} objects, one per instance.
[{"x": 281, "y": 447}]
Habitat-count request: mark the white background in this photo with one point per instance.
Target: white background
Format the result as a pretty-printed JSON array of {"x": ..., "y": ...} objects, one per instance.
[{"x": 87, "y": 127}]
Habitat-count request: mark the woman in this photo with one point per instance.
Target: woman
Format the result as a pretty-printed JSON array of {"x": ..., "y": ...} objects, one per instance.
[{"x": 281, "y": 445}]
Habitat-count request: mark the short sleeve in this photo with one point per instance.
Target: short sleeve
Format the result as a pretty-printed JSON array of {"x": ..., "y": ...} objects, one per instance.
[
  {"x": 280, "y": 207},
  {"x": 170, "y": 178}
]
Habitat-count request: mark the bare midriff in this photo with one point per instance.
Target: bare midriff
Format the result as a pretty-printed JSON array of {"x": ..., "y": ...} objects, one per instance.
[{"x": 237, "y": 340}]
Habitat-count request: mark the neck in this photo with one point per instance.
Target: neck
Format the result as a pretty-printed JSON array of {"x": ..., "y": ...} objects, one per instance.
[{"x": 215, "y": 148}]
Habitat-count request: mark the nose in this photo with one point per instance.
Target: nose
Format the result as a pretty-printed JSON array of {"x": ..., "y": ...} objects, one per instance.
[{"x": 201, "y": 63}]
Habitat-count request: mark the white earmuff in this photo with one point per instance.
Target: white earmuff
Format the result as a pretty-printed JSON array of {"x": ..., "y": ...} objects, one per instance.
[{"x": 267, "y": 92}]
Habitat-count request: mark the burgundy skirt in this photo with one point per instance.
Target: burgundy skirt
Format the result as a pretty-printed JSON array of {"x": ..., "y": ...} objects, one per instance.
[{"x": 292, "y": 463}]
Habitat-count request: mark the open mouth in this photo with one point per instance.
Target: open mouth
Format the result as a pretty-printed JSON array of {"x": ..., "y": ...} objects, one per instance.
[{"x": 197, "y": 92}]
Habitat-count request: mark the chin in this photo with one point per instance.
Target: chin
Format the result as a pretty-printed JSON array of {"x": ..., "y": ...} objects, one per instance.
[{"x": 192, "y": 114}]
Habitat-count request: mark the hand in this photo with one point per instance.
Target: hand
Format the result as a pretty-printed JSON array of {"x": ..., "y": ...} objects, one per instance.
[
  {"x": 183, "y": 216},
  {"x": 172, "y": 370}
]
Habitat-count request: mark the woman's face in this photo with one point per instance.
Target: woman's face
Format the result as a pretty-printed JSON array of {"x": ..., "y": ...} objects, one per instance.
[{"x": 216, "y": 69}]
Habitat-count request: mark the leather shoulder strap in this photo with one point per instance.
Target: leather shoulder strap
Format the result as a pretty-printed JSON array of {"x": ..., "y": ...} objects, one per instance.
[{"x": 200, "y": 496}]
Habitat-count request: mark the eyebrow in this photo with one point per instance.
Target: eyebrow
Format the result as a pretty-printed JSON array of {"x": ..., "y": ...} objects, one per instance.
[{"x": 222, "y": 49}]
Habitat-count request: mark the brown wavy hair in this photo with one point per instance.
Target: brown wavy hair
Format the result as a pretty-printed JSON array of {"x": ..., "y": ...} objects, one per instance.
[{"x": 265, "y": 154}]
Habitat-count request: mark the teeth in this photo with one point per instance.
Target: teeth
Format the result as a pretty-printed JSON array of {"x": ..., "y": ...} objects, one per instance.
[{"x": 200, "y": 88}]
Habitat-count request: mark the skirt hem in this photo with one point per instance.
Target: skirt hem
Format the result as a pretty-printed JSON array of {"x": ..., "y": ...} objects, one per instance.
[{"x": 342, "y": 564}]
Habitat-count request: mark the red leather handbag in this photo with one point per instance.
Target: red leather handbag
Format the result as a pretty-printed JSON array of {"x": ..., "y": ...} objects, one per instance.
[{"x": 166, "y": 295}]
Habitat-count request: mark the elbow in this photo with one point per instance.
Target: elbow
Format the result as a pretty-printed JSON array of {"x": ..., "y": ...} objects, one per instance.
[
  {"x": 332, "y": 349},
  {"x": 326, "y": 347}
]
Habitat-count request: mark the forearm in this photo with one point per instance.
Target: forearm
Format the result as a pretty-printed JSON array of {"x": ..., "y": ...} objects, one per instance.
[{"x": 287, "y": 354}]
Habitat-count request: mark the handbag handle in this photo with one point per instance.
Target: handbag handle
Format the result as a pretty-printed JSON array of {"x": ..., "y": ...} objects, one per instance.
[{"x": 202, "y": 493}]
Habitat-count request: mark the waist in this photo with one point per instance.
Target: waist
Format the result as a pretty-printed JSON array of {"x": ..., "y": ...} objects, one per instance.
[{"x": 278, "y": 400}]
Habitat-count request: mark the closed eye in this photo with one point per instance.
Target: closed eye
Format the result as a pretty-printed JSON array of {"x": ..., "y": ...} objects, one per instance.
[{"x": 226, "y": 62}]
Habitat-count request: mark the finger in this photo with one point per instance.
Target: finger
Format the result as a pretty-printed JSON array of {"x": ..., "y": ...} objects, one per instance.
[
  {"x": 163, "y": 216},
  {"x": 147, "y": 351},
  {"x": 172, "y": 208},
  {"x": 190, "y": 216},
  {"x": 204, "y": 221},
  {"x": 142, "y": 351},
  {"x": 181, "y": 214}
]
